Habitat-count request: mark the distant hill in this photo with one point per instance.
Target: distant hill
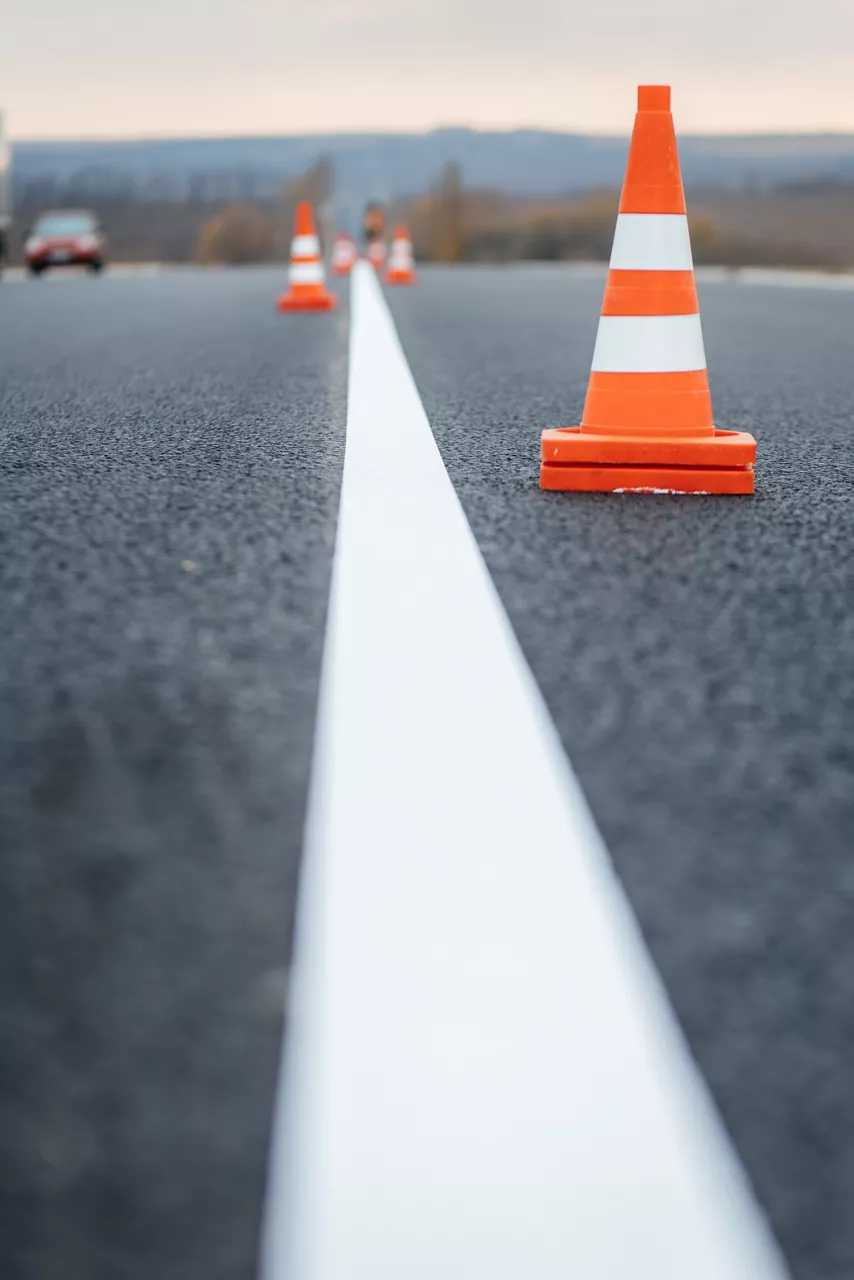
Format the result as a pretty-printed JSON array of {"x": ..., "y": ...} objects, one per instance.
[{"x": 385, "y": 166}]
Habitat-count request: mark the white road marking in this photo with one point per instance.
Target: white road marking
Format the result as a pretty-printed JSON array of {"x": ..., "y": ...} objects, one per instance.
[
  {"x": 651, "y": 242},
  {"x": 595, "y": 270},
  {"x": 483, "y": 1079},
  {"x": 56, "y": 274},
  {"x": 649, "y": 344},
  {"x": 776, "y": 278},
  {"x": 786, "y": 279},
  {"x": 795, "y": 279},
  {"x": 130, "y": 270}
]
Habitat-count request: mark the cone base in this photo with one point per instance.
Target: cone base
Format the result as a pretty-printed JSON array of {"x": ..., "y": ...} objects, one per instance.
[
  {"x": 399, "y": 277},
  {"x": 577, "y": 460},
  {"x": 670, "y": 480},
  {"x": 295, "y": 302}
]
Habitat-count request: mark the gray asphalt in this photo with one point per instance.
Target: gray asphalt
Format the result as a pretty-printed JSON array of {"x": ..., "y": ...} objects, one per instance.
[
  {"x": 170, "y": 459},
  {"x": 697, "y": 655}
]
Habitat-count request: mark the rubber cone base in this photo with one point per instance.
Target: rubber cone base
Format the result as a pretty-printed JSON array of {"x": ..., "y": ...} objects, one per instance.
[
  {"x": 296, "y": 302},
  {"x": 400, "y": 277},
  {"x": 577, "y": 460}
]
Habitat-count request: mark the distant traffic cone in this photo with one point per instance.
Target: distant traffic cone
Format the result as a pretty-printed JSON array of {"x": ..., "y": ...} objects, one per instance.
[
  {"x": 377, "y": 254},
  {"x": 306, "y": 279},
  {"x": 647, "y": 425},
  {"x": 344, "y": 255},
  {"x": 401, "y": 264}
]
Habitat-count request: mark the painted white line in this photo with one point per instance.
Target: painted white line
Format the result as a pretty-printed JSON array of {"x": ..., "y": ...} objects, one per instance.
[
  {"x": 117, "y": 271},
  {"x": 128, "y": 270},
  {"x": 17, "y": 275},
  {"x": 651, "y": 242},
  {"x": 715, "y": 274},
  {"x": 784, "y": 279},
  {"x": 795, "y": 279},
  {"x": 483, "y": 1079},
  {"x": 649, "y": 344},
  {"x": 776, "y": 278}
]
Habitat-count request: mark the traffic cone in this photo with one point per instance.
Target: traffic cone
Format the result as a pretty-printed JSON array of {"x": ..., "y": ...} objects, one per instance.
[
  {"x": 377, "y": 254},
  {"x": 401, "y": 264},
  {"x": 306, "y": 279},
  {"x": 647, "y": 425},
  {"x": 343, "y": 255}
]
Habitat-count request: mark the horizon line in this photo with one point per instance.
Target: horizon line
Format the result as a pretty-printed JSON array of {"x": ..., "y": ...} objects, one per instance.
[{"x": 427, "y": 131}]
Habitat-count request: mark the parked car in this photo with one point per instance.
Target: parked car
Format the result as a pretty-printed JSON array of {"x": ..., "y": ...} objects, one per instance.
[{"x": 65, "y": 237}]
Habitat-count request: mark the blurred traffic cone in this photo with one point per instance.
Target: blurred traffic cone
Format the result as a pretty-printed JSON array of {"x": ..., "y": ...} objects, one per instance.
[
  {"x": 647, "y": 425},
  {"x": 401, "y": 264},
  {"x": 376, "y": 254},
  {"x": 343, "y": 255},
  {"x": 306, "y": 279}
]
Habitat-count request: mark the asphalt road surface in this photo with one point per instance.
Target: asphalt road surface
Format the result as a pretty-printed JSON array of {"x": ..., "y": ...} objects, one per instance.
[
  {"x": 170, "y": 456},
  {"x": 171, "y": 453}
]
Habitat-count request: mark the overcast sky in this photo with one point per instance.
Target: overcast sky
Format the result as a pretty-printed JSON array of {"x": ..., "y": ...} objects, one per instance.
[{"x": 107, "y": 68}]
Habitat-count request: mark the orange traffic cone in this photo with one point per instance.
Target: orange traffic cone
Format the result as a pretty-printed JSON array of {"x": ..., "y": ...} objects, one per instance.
[
  {"x": 401, "y": 264},
  {"x": 306, "y": 279},
  {"x": 344, "y": 255},
  {"x": 376, "y": 254},
  {"x": 647, "y": 425}
]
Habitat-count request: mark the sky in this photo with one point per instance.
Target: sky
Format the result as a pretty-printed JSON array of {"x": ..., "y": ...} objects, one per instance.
[{"x": 121, "y": 68}]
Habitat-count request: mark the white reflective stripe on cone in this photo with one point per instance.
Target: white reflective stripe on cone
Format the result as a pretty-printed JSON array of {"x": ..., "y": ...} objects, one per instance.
[
  {"x": 649, "y": 344},
  {"x": 306, "y": 273},
  {"x": 652, "y": 242},
  {"x": 305, "y": 247}
]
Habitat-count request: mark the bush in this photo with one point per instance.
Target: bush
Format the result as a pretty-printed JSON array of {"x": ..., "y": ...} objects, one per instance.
[{"x": 238, "y": 234}]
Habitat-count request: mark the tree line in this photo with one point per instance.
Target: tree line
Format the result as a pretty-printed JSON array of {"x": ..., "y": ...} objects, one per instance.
[{"x": 221, "y": 219}]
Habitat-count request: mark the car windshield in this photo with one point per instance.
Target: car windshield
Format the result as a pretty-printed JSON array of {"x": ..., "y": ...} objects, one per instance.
[{"x": 64, "y": 224}]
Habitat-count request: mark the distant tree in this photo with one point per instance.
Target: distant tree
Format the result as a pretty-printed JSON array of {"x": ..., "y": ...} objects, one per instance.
[
  {"x": 240, "y": 233},
  {"x": 705, "y": 238},
  {"x": 315, "y": 186},
  {"x": 447, "y": 216}
]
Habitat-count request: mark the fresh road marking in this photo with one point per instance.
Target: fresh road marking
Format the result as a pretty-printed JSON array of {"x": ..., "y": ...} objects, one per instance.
[{"x": 483, "y": 1078}]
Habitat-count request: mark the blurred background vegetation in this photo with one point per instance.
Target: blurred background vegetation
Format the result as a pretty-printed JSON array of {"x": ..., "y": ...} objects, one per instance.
[{"x": 807, "y": 222}]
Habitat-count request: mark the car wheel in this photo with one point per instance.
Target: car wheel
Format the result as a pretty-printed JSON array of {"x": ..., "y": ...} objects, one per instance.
[
  {"x": 36, "y": 268},
  {"x": 96, "y": 267}
]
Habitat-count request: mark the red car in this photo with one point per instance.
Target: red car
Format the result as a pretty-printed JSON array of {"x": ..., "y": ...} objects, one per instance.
[{"x": 67, "y": 237}]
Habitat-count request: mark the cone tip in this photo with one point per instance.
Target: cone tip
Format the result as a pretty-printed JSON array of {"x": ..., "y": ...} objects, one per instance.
[
  {"x": 304, "y": 220},
  {"x": 654, "y": 97}
]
